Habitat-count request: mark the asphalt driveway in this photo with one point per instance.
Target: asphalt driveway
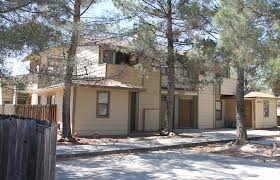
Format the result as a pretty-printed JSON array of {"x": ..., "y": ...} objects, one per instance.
[{"x": 171, "y": 164}]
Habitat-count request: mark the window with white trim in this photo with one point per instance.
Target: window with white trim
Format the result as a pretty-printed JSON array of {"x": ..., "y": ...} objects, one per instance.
[
  {"x": 102, "y": 104},
  {"x": 218, "y": 110},
  {"x": 266, "y": 108}
]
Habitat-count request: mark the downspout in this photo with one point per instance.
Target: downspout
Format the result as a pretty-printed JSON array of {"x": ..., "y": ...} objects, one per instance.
[
  {"x": 74, "y": 109},
  {"x": 214, "y": 105},
  {"x": 1, "y": 98}
]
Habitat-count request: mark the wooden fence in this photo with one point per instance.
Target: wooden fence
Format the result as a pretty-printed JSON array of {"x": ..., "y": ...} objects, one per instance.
[
  {"x": 27, "y": 149},
  {"x": 41, "y": 112}
]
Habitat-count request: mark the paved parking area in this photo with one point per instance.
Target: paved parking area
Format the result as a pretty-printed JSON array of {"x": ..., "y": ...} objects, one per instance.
[{"x": 171, "y": 164}]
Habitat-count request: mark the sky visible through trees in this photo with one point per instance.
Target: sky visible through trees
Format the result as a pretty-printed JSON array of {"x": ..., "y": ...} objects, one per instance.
[{"x": 17, "y": 66}]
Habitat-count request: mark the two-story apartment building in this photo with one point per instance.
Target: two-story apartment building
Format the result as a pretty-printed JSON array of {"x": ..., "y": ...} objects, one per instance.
[
  {"x": 109, "y": 96},
  {"x": 113, "y": 95},
  {"x": 200, "y": 105}
]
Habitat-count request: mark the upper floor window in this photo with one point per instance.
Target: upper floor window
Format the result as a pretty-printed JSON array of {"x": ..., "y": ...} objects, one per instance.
[
  {"x": 39, "y": 100},
  {"x": 51, "y": 99},
  {"x": 185, "y": 73},
  {"x": 226, "y": 72},
  {"x": 109, "y": 56},
  {"x": 266, "y": 108},
  {"x": 164, "y": 70}
]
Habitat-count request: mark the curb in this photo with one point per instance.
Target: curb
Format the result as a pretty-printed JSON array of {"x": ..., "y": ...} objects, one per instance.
[{"x": 62, "y": 157}]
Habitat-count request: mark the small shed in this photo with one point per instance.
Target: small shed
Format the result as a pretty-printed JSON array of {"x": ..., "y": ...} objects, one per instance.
[{"x": 260, "y": 110}]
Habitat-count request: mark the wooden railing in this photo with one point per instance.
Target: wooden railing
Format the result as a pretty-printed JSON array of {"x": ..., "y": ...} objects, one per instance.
[{"x": 40, "y": 112}]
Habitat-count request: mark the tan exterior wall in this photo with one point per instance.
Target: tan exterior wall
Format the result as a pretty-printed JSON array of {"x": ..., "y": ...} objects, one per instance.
[
  {"x": 228, "y": 86},
  {"x": 149, "y": 102},
  {"x": 86, "y": 122},
  {"x": 124, "y": 73},
  {"x": 206, "y": 108},
  {"x": 261, "y": 120},
  {"x": 149, "y": 99},
  {"x": 177, "y": 84}
]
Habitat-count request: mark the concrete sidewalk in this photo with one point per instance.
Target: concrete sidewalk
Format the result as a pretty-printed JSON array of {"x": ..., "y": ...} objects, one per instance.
[{"x": 185, "y": 138}]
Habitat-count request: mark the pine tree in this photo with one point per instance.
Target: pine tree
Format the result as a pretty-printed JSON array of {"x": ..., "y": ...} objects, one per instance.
[
  {"x": 244, "y": 35},
  {"x": 161, "y": 29}
]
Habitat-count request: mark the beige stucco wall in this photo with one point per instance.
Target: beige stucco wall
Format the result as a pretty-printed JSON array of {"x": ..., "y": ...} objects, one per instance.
[
  {"x": 124, "y": 74},
  {"x": 148, "y": 99},
  {"x": 261, "y": 121},
  {"x": 86, "y": 122},
  {"x": 228, "y": 86},
  {"x": 206, "y": 108},
  {"x": 149, "y": 102}
]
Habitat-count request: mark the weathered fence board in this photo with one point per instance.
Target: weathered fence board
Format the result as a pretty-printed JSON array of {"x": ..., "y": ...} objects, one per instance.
[
  {"x": 27, "y": 149},
  {"x": 41, "y": 112}
]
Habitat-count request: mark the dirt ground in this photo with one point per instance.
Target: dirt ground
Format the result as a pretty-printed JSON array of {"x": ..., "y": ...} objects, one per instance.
[
  {"x": 93, "y": 140},
  {"x": 253, "y": 150},
  {"x": 263, "y": 150}
]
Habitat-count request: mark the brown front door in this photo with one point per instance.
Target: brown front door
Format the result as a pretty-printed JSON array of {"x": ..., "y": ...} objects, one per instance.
[
  {"x": 185, "y": 114},
  {"x": 248, "y": 113}
]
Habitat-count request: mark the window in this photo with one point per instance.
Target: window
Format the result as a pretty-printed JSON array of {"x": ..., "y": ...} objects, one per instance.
[
  {"x": 226, "y": 72},
  {"x": 218, "y": 110},
  {"x": 8, "y": 102},
  {"x": 108, "y": 56},
  {"x": 164, "y": 70},
  {"x": 39, "y": 99},
  {"x": 102, "y": 104},
  {"x": 266, "y": 108},
  {"x": 51, "y": 99},
  {"x": 186, "y": 72}
]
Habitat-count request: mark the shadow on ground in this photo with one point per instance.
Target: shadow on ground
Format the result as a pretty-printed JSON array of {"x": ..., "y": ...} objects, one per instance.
[{"x": 172, "y": 164}]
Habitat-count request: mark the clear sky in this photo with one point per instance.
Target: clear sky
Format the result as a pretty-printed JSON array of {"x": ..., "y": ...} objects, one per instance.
[{"x": 18, "y": 67}]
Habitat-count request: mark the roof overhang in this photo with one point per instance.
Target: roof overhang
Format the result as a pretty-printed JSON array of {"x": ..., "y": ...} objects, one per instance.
[
  {"x": 260, "y": 95},
  {"x": 107, "y": 83}
]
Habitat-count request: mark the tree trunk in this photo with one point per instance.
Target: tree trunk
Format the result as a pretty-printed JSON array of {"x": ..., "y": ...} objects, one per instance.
[
  {"x": 241, "y": 137},
  {"x": 66, "y": 129},
  {"x": 170, "y": 70}
]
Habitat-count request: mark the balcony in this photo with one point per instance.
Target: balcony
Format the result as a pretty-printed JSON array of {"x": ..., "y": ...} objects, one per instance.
[
  {"x": 124, "y": 73},
  {"x": 178, "y": 85},
  {"x": 228, "y": 86}
]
